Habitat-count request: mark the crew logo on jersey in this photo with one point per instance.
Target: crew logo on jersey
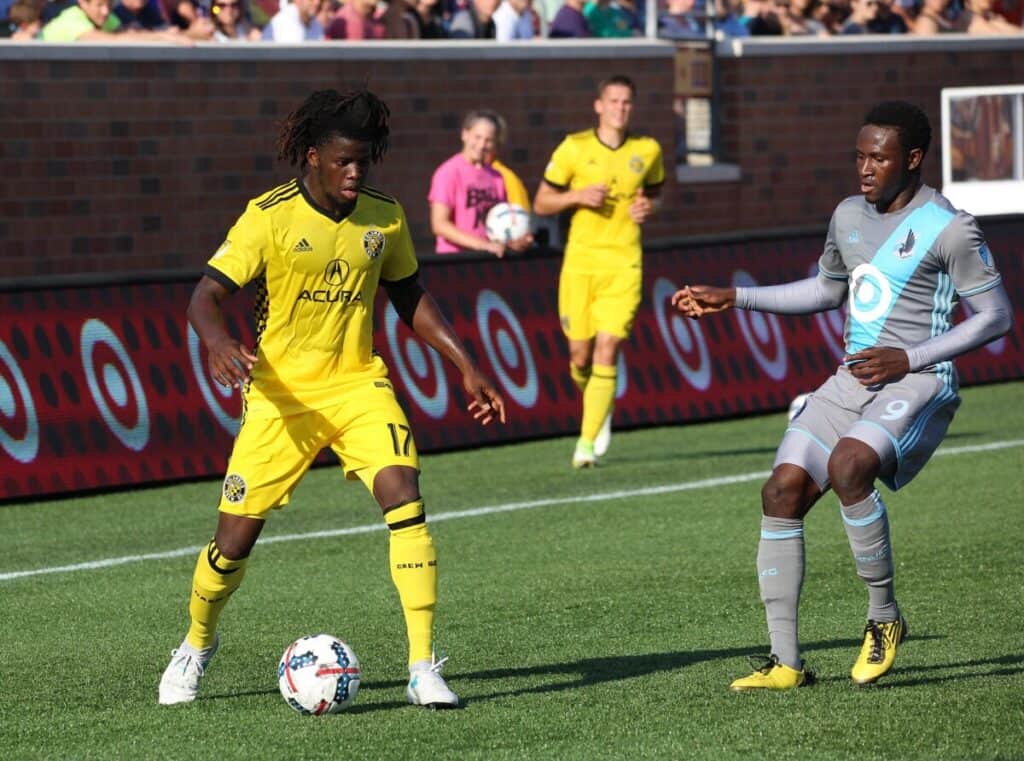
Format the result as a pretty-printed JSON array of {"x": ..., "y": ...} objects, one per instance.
[
  {"x": 636, "y": 164},
  {"x": 234, "y": 488},
  {"x": 373, "y": 243}
]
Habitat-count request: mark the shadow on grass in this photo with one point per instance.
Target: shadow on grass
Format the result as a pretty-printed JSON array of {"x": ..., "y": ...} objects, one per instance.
[
  {"x": 1004, "y": 665},
  {"x": 617, "y": 668}
]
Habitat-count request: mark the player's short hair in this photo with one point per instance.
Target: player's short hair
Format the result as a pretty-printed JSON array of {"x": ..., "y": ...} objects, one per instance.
[
  {"x": 326, "y": 114},
  {"x": 909, "y": 121},
  {"x": 616, "y": 79},
  {"x": 482, "y": 114}
]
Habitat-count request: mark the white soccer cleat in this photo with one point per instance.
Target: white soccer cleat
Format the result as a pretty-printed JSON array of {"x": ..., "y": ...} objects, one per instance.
[
  {"x": 427, "y": 687},
  {"x": 180, "y": 682},
  {"x": 583, "y": 456},
  {"x": 604, "y": 436}
]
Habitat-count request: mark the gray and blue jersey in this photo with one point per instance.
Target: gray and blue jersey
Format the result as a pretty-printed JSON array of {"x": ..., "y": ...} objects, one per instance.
[{"x": 906, "y": 269}]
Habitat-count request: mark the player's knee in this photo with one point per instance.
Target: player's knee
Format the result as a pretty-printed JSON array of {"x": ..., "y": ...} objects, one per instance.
[
  {"x": 852, "y": 470},
  {"x": 396, "y": 485},
  {"x": 782, "y": 495}
]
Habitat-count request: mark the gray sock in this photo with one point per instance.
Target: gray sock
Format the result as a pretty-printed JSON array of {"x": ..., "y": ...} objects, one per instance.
[
  {"x": 780, "y": 572},
  {"x": 867, "y": 528}
]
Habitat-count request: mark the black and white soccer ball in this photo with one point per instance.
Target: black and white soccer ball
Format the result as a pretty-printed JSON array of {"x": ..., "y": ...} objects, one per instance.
[{"x": 319, "y": 674}]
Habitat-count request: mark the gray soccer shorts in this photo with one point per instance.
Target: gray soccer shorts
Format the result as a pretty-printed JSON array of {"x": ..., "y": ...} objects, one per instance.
[{"x": 904, "y": 422}]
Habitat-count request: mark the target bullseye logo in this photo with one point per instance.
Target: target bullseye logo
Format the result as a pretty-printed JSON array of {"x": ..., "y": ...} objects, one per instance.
[
  {"x": 507, "y": 348},
  {"x": 682, "y": 337},
  {"x": 16, "y": 402},
  {"x": 761, "y": 332},
  {"x": 870, "y": 293},
  {"x": 416, "y": 364},
  {"x": 114, "y": 384},
  {"x": 213, "y": 394}
]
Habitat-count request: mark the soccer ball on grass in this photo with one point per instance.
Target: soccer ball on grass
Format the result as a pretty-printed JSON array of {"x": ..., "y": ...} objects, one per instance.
[{"x": 318, "y": 674}]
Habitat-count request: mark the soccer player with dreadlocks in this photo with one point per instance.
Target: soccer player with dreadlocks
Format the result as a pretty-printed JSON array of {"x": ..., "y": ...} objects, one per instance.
[{"x": 317, "y": 247}]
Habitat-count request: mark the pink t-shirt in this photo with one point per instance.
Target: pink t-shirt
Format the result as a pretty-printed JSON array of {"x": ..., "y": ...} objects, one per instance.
[
  {"x": 349, "y": 25},
  {"x": 470, "y": 192}
]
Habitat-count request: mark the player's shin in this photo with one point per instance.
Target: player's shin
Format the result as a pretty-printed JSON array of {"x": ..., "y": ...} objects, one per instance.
[
  {"x": 215, "y": 579},
  {"x": 598, "y": 399},
  {"x": 580, "y": 376},
  {"x": 414, "y": 572},
  {"x": 867, "y": 528},
  {"x": 780, "y": 570}
]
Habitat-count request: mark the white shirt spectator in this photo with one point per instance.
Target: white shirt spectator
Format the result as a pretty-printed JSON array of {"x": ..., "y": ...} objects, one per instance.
[
  {"x": 513, "y": 24},
  {"x": 287, "y": 26}
]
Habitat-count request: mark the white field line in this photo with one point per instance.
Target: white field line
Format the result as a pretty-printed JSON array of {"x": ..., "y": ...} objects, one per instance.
[{"x": 508, "y": 507}]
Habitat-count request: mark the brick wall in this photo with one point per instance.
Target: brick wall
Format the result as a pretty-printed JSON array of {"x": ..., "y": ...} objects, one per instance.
[{"x": 134, "y": 159}]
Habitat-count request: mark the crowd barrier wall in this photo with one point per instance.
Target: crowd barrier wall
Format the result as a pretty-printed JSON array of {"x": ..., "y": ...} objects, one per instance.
[
  {"x": 134, "y": 159},
  {"x": 107, "y": 385}
]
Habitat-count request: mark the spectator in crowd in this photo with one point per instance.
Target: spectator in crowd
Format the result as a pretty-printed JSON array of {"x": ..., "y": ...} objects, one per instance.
[
  {"x": 679, "y": 22},
  {"x": 727, "y": 20},
  {"x": 761, "y": 19},
  {"x": 24, "y": 20},
  {"x": 545, "y": 11},
  {"x": 179, "y": 13},
  {"x": 93, "y": 20},
  {"x": 569, "y": 21},
  {"x": 475, "y": 21},
  {"x": 146, "y": 15},
  {"x": 400, "y": 20},
  {"x": 797, "y": 18},
  {"x": 231, "y": 22},
  {"x": 513, "y": 20},
  {"x": 887, "y": 21},
  {"x": 831, "y": 14},
  {"x": 295, "y": 22},
  {"x": 934, "y": 18},
  {"x": 429, "y": 19},
  {"x": 356, "y": 20},
  {"x": 464, "y": 188},
  {"x": 980, "y": 18},
  {"x": 606, "y": 18},
  {"x": 862, "y": 13}
]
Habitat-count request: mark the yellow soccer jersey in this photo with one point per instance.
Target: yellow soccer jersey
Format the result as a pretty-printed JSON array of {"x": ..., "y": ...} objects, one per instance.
[
  {"x": 316, "y": 281},
  {"x": 606, "y": 238}
]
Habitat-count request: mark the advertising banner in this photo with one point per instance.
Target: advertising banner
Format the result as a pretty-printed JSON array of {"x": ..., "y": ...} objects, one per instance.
[{"x": 107, "y": 386}]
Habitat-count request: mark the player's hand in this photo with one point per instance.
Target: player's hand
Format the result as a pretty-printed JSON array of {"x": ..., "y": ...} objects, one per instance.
[
  {"x": 641, "y": 208},
  {"x": 487, "y": 403},
  {"x": 519, "y": 245},
  {"x": 592, "y": 196},
  {"x": 880, "y": 364},
  {"x": 698, "y": 300},
  {"x": 230, "y": 362}
]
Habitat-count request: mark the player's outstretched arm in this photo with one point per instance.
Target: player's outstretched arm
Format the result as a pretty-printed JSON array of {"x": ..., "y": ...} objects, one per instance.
[
  {"x": 698, "y": 300},
  {"x": 420, "y": 312},
  {"x": 229, "y": 360}
]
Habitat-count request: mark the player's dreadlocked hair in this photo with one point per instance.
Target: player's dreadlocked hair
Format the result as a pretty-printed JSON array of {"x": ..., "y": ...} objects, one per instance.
[
  {"x": 910, "y": 123},
  {"x": 357, "y": 115}
]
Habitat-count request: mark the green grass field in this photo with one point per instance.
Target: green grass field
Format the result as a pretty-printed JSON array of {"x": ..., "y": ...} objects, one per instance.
[{"x": 585, "y": 618}]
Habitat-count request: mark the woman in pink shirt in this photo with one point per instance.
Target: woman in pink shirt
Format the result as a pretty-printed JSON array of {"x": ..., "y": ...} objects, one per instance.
[{"x": 463, "y": 190}]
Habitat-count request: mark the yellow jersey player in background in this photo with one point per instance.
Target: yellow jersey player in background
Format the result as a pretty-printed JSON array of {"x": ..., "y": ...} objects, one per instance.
[
  {"x": 317, "y": 248},
  {"x": 612, "y": 180}
]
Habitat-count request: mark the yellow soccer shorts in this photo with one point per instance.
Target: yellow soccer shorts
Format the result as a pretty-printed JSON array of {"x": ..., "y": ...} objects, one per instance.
[
  {"x": 367, "y": 429},
  {"x": 598, "y": 302}
]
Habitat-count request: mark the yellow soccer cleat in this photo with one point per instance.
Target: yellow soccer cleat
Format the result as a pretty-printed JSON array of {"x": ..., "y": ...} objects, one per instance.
[
  {"x": 879, "y": 650},
  {"x": 770, "y": 674}
]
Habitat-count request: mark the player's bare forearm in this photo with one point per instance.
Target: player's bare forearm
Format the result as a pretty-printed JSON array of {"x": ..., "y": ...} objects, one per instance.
[
  {"x": 229, "y": 360},
  {"x": 551, "y": 200},
  {"x": 698, "y": 300},
  {"x": 430, "y": 324}
]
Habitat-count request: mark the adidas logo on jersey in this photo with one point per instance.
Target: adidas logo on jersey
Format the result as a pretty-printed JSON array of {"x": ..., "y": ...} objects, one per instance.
[{"x": 302, "y": 247}]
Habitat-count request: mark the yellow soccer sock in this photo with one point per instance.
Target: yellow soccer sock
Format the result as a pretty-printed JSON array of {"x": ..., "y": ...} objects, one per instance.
[
  {"x": 414, "y": 572},
  {"x": 598, "y": 400},
  {"x": 214, "y": 580},
  {"x": 579, "y": 377}
]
